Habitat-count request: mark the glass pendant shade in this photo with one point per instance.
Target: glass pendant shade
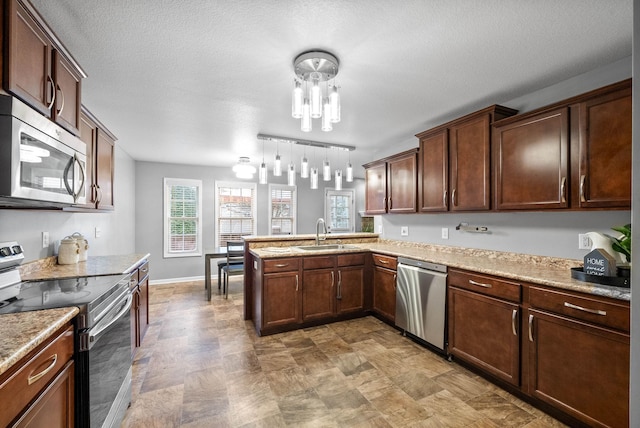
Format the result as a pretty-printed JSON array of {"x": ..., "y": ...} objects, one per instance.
[
  {"x": 291, "y": 175},
  {"x": 304, "y": 168},
  {"x": 262, "y": 175},
  {"x": 326, "y": 171},
  {"x": 349, "y": 172},
  {"x": 314, "y": 178},
  {"x": 338, "y": 179},
  {"x": 316, "y": 100},
  {"x": 326, "y": 115},
  {"x": 277, "y": 167},
  {"x": 334, "y": 100},
  {"x": 297, "y": 100},
  {"x": 306, "y": 116}
]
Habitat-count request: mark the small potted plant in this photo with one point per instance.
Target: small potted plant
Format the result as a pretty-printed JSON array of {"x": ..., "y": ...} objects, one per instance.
[{"x": 622, "y": 244}]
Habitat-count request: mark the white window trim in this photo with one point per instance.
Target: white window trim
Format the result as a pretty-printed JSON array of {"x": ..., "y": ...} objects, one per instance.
[
  {"x": 216, "y": 204},
  {"x": 352, "y": 218},
  {"x": 181, "y": 182},
  {"x": 294, "y": 200}
]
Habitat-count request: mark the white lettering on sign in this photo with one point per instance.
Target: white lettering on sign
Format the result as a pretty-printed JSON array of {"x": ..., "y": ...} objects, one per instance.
[{"x": 592, "y": 261}]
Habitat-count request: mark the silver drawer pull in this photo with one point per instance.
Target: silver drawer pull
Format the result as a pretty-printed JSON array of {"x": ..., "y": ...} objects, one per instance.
[
  {"x": 282, "y": 265},
  {"x": 34, "y": 378},
  {"x": 514, "y": 315},
  {"x": 580, "y": 308},
  {"x": 530, "y": 328},
  {"x": 384, "y": 262},
  {"x": 479, "y": 284}
]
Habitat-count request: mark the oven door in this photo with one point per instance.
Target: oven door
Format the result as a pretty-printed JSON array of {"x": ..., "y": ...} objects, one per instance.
[
  {"x": 43, "y": 168},
  {"x": 105, "y": 389}
]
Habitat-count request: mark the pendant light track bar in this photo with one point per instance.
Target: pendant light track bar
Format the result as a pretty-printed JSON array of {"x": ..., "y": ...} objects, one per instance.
[{"x": 319, "y": 144}]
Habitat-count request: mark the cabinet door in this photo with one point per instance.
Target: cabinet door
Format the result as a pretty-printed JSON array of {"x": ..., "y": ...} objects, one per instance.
[
  {"x": 580, "y": 368},
  {"x": 88, "y": 134},
  {"x": 68, "y": 83},
  {"x": 384, "y": 292},
  {"x": 376, "y": 189},
  {"x": 531, "y": 158},
  {"x": 104, "y": 164},
  {"x": 280, "y": 299},
  {"x": 402, "y": 184},
  {"x": 605, "y": 151},
  {"x": 134, "y": 320},
  {"x": 484, "y": 332},
  {"x": 469, "y": 163},
  {"x": 54, "y": 408},
  {"x": 318, "y": 294},
  {"x": 350, "y": 294},
  {"x": 143, "y": 309},
  {"x": 434, "y": 173},
  {"x": 29, "y": 60}
]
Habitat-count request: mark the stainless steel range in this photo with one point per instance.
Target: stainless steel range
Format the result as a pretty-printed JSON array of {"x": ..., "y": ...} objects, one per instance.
[{"x": 103, "y": 332}]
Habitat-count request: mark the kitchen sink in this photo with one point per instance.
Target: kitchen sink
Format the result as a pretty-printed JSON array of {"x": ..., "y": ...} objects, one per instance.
[{"x": 326, "y": 247}]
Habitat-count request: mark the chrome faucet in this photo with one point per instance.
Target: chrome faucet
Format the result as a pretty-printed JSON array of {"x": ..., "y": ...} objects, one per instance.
[{"x": 319, "y": 222}]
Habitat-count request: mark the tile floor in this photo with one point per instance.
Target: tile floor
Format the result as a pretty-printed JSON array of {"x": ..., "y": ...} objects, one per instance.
[{"x": 201, "y": 365}]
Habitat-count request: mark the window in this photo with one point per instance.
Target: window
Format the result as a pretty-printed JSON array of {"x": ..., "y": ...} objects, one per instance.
[
  {"x": 235, "y": 205},
  {"x": 282, "y": 209},
  {"x": 182, "y": 217},
  {"x": 339, "y": 210}
]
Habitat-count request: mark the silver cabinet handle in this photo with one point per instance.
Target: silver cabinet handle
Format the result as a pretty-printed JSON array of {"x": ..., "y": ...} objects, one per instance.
[
  {"x": 34, "y": 378},
  {"x": 453, "y": 198},
  {"x": 479, "y": 284},
  {"x": 339, "y": 295},
  {"x": 580, "y": 308},
  {"x": 296, "y": 282},
  {"x": 563, "y": 190},
  {"x": 582, "y": 195},
  {"x": 384, "y": 203},
  {"x": 62, "y": 95},
  {"x": 281, "y": 265},
  {"x": 530, "y": 328},
  {"x": 333, "y": 279},
  {"x": 53, "y": 92},
  {"x": 444, "y": 198},
  {"x": 98, "y": 193},
  {"x": 390, "y": 204},
  {"x": 514, "y": 315},
  {"x": 384, "y": 262}
]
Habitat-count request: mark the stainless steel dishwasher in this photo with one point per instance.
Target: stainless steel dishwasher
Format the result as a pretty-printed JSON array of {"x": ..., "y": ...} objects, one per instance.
[{"x": 421, "y": 294}]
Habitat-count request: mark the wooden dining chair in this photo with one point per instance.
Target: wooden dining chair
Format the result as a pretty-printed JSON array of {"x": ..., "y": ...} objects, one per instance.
[{"x": 234, "y": 265}]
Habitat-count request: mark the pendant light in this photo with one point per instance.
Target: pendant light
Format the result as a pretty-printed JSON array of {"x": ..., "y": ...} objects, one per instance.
[
  {"x": 262, "y": 174},
  {"x": 326, "y": 115},
  {"x": 305, "y": 124},
  {"x": 277, "y": 164},
  {"x": 334, "y": 100},
  {"x": 304, "y": 166},
  {"x": 349, "y": 169},
  {"x": 291, "y": 169},
  {"x": 297, "y": 98},
  {"x": 314, "y": 178},
  {"x": 338, "y": 179},
  {"x": 315, "y": 97}
]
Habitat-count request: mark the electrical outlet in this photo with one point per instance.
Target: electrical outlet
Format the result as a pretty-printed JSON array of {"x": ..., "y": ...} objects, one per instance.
[
  {"x": 584, "y": 243},
  {"x": 404, "y": 231},
  {"x": 45, "y": 239},
  {"x": 445, "y": 233},
  {"x": 98, "y": 232}
]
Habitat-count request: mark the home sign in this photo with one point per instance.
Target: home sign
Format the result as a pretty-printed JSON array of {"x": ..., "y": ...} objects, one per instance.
[{"x": 599, "y": 262}]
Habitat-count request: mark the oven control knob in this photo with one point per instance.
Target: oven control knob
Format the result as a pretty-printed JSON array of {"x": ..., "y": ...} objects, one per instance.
[
  {"x": 17, "y": 249},
  {"x": 5, "y": 251}
]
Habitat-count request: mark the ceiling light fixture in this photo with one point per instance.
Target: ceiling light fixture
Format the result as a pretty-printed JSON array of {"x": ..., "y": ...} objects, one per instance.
[
  {"x": 291, "y": 169},
  {"x": 277, "y": 164},
  {"x": 262, "y": 174},
  {"x": 349, "y": 170},
  {"x": 312, "y": 68},
  {"x": 338, "y": 179},
  {"x": 326, "y": 168},
  {"x": 243, "y": 169},
  {"x": 304, "y": 165}
]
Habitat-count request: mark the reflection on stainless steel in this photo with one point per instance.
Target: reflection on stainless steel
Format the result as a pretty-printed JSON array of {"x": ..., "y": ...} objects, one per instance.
[{"x": 421, "y": 300}]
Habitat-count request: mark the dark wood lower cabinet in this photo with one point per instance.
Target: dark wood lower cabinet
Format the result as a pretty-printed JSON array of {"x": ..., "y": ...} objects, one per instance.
[
  {"x": 484, "y": 331},
  {"x": 579, "y": 368},
  {"x": 350, "y": 295},
  {"x": 318, "y": 291},
  {"x": 280, "y": 305},
  {"x": 384, "y": 292}
]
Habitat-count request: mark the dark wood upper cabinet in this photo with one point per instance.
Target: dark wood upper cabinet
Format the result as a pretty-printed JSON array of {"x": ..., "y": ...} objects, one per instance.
[
  {"x": 531, "y": 159},
  {"x": 391, "y": 184},
  {"x": 455, "y": 163},
  {"x": 38, "y": 69},
  {"x": 601, "y": 138}
]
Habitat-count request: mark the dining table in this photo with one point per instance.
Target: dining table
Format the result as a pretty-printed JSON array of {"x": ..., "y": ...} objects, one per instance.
[{"x": 217, "y": 253}]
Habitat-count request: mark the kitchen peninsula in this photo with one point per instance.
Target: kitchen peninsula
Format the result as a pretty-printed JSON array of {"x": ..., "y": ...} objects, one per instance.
[{"x": 520, "y": 320}]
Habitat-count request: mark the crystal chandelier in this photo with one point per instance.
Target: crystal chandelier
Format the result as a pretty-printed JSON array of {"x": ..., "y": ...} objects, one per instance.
[{"x": 309, "y": 101}]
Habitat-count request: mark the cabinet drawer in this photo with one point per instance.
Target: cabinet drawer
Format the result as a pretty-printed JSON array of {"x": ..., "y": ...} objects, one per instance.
[
  {"x": 318, "y": 262},
  {"x": 351, "y": 259},
  {"x": 484, "y": 284},
  {"x": 281, "y": 265},
  {"x": 385, "y": 261},
  {"x": 584, "y": 308},
  {"x": 143, "y": 271},
  {"x": 19, "y": 389}
]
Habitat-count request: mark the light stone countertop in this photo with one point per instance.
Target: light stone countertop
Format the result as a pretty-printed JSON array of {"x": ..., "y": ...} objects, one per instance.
[
  {"x": 550, "y": 271},
  {"x": 48, "y": 268},
  {"x": 22, "y": 332}
]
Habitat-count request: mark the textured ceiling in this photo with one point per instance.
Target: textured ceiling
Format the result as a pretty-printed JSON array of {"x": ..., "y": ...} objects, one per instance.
[{"x": 194, "y": 81}]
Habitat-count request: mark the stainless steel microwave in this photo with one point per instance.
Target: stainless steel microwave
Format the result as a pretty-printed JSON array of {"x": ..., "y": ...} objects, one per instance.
[{"x": 41, "y": 164}]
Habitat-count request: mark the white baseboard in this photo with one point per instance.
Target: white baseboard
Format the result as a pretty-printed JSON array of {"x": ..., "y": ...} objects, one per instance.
[{"x": 184, "y": 279}]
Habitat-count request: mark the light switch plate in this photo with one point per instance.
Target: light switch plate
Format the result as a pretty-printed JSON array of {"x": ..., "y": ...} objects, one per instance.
[
  {"x": 445, "y": 233},
  {"x": 584, "y": 243},
  {"x": 45, "y": 239},
  {"x": 98, "y": 232},
  {"x": 404, "y": 231}
]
